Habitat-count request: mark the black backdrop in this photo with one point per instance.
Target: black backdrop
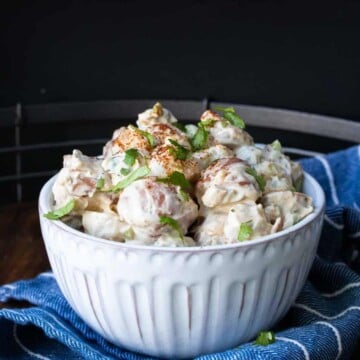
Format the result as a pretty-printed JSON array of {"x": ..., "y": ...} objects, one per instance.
[
  {"x": 282, "y": 54},
  {"x": 288, "y": 54}
]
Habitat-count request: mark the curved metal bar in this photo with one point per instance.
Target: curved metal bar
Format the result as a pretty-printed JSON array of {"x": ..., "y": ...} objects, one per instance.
[
  {"x": 124, "y": 110},
  {"x": 297, "y": 121}
]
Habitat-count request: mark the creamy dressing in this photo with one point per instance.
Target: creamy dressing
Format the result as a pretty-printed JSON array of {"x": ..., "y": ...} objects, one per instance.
[
  {"x": 156, "y": 115},
  {"x": 151, "y": 187},
  {"x": 143, "y": 202},
  {"x": 226, "y": 181}
]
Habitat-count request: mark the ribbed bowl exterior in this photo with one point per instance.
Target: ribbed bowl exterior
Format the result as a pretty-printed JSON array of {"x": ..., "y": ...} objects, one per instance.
[{"x": 179, "y": 304}]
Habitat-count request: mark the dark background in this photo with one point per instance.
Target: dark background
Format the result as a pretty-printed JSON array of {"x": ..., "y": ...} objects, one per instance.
[
  {"x": 294, "y": 55},
  {"x": 286, "y": 54}
]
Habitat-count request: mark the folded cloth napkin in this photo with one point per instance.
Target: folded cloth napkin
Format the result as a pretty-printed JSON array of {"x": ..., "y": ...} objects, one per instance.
[{"x": 323, "y": 323}]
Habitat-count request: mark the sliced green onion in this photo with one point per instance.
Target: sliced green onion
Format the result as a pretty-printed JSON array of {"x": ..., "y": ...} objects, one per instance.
[
  {"x": 230, "y": 115},
  {"x": 131, "y": 156},
  {"x": 245, "y": 231},
  {"x": 129, "y": 234},
  {"x": 265, "y": 338},
  {"x": 178, "y": 179},
  {"x": 59, "y": 213},
  {"x": 235, "y": 120},
  {"x": 183, "y": 195},
  {"x": 135, "y": 175},
  {"x": 200, "y": 138},
  {"x": 276, "y": 145},
  {"x": 166, "y": 220},
  {"x": 208, "y": 122},
  {"x": 179, "y": 152},
  {"x": 100, "y": 183},
  {"x": 259, "y": 178},
  {"x": 146, "y": 135},
  {"x": 125, "y": 171}
]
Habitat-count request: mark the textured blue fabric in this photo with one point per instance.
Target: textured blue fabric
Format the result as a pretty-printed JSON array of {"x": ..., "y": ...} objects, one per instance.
[{"x": 323, "y": 323}]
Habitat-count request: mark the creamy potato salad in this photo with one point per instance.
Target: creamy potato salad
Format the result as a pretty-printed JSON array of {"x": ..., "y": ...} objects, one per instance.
[{"x": 167, "y": 184}]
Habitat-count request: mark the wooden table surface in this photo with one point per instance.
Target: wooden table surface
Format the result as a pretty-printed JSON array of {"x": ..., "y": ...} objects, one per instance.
[
  {"x": 22, "y": 249},
  {"x": 22, "y": 252}
]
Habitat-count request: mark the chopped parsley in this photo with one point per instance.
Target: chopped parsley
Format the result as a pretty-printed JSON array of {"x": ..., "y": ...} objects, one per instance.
[
  {"x": 129, "y": 234},
  {"x": 178, "y": 179},
  {"x": 276, "y": 145},
  {"x": 135, "y": 175},
  {"x": 125, "y": 171},
  {"x": 230, "y": 115},
  {"x": 59, "y": 213},
  {"x": 259, "y": 178},
  {"x": 245, "y": 231},
  {"x": 208, "y": 122},
  {"x": 183, "y": 195},
  {"x": 265, "y": 338},
  {"x": 178, "y": 151},
  {"x": 224, "y": 124},
  {"x": 166, "y": 220},
  {"x": 200, "y": 138},
  {"x": 100, "y": 183},
  {"x": 146, "y": 135},
  {"x": 131, "y": 156}
]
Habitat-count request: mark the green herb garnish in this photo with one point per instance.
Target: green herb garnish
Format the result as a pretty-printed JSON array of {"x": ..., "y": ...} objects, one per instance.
[
  {"x": 179, "y": 152},
  {"x": 129, "y": 234},
  {"x": 166, "y": 220},
  {"x": 130, "y": 157},
  {"x": 208, "y": 122},
  {"x": 245, "y": 231},
  {"x": 135, "y": 175},
  {"x": 59, "y": 213},
  {"x": 176, "y": 178},
  {"x": 100, "y": 183},
  {"x": 259, "y": 178},
  {"x": 125, "y": 171},
  {"x": 183, "y": 195},
  {"x": 146, "y": 135},
  {"x": 230, "y": 115},
  {"x": 265, "y": 338},
  {"x": 276, "y": 145},
  {"x": 200, "y": 138},
  {"x": 224, "y": 124}
]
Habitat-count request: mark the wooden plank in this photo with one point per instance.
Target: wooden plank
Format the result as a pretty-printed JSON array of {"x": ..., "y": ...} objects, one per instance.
[{"x": 22, "y": 250}]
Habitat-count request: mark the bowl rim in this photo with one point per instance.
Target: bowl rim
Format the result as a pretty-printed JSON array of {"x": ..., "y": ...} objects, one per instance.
[{"x": 44, "y": 207}]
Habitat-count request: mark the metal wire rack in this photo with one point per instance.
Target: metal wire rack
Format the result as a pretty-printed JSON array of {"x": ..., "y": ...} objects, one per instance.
[{"x": 34, "y": 137}]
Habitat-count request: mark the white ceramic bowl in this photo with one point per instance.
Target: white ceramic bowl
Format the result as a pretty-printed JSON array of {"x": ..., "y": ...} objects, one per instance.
[{"x": 181, "y": 302}]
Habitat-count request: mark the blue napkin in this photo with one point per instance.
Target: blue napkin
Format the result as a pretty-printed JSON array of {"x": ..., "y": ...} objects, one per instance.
[{"x": 323, "y": 323}]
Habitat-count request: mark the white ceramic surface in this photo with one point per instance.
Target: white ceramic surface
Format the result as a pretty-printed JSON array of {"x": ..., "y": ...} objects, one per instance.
[{"x": 181, "y": 302}]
